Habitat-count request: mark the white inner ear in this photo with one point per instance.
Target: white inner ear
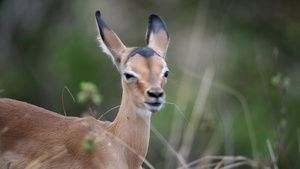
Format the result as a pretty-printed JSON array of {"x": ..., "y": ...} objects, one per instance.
[{"x": 104, "y": 47}]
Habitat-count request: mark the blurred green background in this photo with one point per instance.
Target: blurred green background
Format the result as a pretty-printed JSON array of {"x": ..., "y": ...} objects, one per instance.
[{"x": 235, "y": 71}]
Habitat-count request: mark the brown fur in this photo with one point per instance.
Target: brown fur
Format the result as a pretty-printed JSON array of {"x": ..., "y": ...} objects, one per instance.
[
  {"x": 33, "y": 137},
  {"x": 29, "y": 133}
]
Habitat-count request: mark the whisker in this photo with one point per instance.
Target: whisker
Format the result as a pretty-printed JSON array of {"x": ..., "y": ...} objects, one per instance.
[{"x": 109, "y": 111}]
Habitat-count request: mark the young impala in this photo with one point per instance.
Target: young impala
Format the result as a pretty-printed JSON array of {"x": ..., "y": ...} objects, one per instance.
[{"x": 32, "y": 137}]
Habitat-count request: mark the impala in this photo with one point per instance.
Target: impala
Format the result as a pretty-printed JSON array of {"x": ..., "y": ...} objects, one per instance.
[{"x": 32, "y": 137}]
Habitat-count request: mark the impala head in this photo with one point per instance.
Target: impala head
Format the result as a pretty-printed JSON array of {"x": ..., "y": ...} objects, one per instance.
[{"x": 143, "y": 69}]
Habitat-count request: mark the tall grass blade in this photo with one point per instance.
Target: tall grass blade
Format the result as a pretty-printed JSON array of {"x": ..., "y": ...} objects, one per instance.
[{"x": 197, "y": 112}]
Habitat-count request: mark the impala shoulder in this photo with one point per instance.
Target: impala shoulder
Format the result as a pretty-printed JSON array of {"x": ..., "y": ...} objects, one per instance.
[{"x": 92, "y": 124}]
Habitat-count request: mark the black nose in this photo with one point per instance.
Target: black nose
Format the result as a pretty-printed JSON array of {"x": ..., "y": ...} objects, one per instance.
[{"x": 155, "y": 94}]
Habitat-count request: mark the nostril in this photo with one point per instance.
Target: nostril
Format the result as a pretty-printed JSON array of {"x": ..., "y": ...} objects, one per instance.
[
  {"x": 160, "y": 94},
  {"x": 155, "y": 94},
  {"x": 151, "y": 94}
]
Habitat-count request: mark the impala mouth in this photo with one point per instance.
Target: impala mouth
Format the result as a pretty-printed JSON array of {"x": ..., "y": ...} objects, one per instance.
[{"x": 154, "y": 106}]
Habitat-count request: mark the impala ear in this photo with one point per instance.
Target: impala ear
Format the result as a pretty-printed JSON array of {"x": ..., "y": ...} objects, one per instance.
[
  {"x": 157, "y": 36},
  {"x": 109, "y": 41}
]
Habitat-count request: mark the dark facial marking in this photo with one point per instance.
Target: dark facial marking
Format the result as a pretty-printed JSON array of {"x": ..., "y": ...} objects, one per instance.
[{"x": 143, "y": 51}]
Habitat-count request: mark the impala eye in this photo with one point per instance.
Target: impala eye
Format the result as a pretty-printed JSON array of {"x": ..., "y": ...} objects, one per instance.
[
  {"x": 166, "y": 74},
  {"x": 128, "y": 76}
]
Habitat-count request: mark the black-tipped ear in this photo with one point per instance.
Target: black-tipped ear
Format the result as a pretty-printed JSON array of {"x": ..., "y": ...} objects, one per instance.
[
  {"x": 157, "y": 36},
  {"x": 100, "y": 22},
  {"x": 109, "y": 41}
]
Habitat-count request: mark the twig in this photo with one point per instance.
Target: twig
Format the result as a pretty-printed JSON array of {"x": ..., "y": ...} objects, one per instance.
[
  {"x": 164, "y": 141},
  {"x": 183, "y": 115},
  {"x": 282, "y": 86},
  {"x": 108, "y": 111},
  {"x": 219, "y": 164},
  {"x": 241, "y": 160},
  {"x": 192, "y": 163},
  {"x": 273, "y": 158},
  {"x": 264, "y": 83},
  {"x": 244, "y": 104},
  {"x": 93, "y": 112},
  {"x": 298, "y": 138},
  {"x": 197, "y": 112},
  {"x": 205, "y": 166},
  {"x": 234, "y": 165},
  {"x": 185, "y": 87},
  {"x": 129, "y": 148},
  {"x": 62, "y": 98}
]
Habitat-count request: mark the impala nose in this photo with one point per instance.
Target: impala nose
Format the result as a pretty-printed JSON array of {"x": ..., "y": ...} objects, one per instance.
[{"x": 155, "y": 94}]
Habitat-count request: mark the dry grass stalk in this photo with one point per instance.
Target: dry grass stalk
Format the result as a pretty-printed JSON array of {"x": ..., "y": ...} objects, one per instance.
[
  {"x": 227, "y": 161},
  {"x": 273, "y": 158},
  {"x": 46, "y": 158},
  {"x": 298, "y": 139},
  {"x": 185, "y": 87},
  {"x": 197, "y": 113},
  {"x": 169, "y": 146},
  {"x": 130, "y": 149}
]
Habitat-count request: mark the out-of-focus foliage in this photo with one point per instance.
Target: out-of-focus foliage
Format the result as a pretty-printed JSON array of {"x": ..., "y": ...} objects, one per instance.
[
  {"x": 88, "y": 144},
  {"x": 89, "y": 94},
  {"x": 241, "y": 47}
]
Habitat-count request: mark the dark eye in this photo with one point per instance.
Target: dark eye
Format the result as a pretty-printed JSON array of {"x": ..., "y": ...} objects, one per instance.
[
  {"x": 128, "y": 76},
  {"x": 166, "y": 74}
]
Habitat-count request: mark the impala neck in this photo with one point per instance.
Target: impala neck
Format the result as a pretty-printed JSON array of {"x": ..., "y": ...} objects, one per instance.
[{"x": 132, "y": 125}]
